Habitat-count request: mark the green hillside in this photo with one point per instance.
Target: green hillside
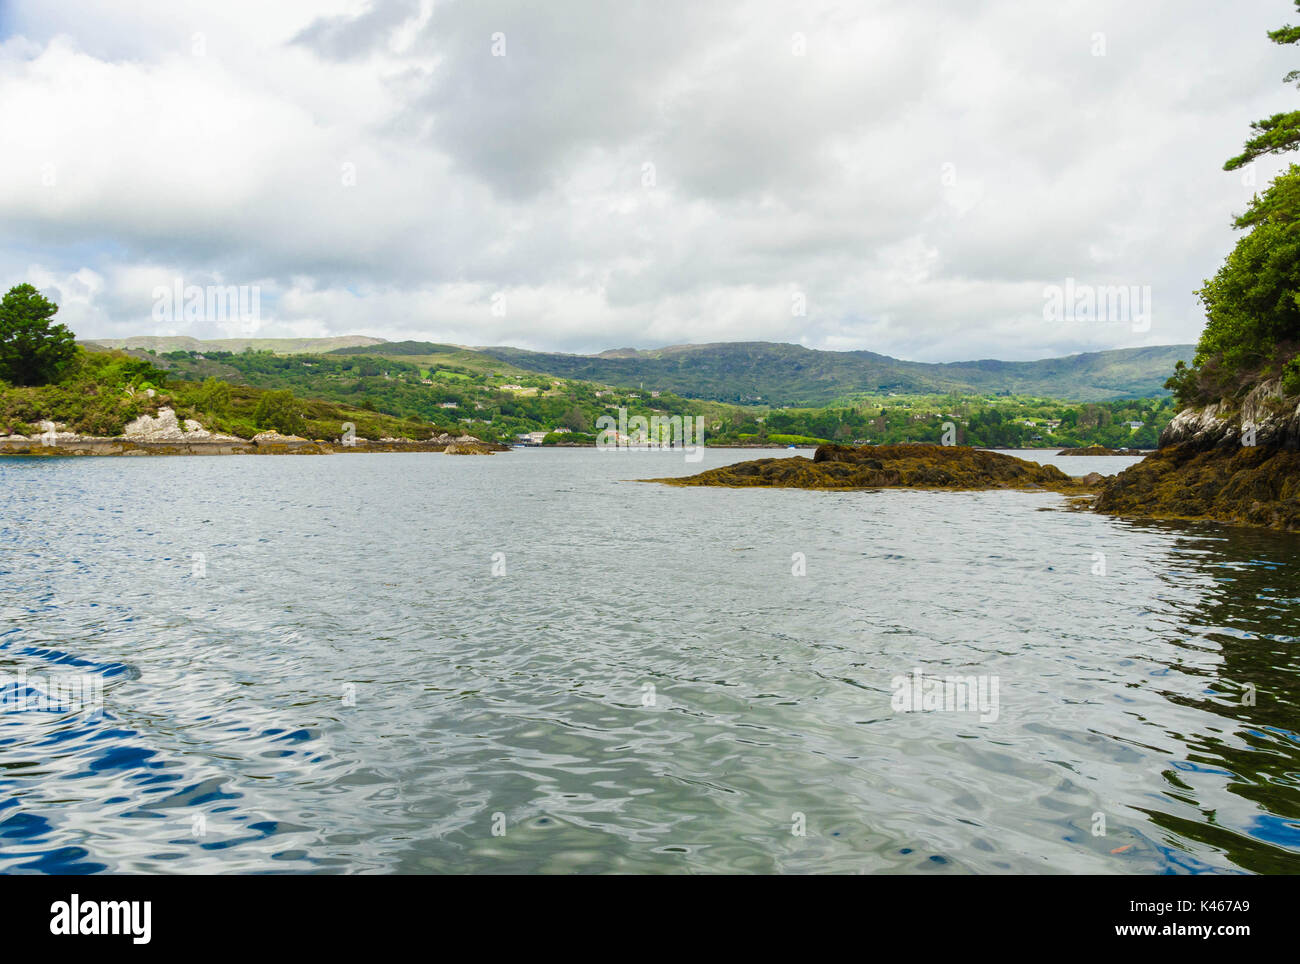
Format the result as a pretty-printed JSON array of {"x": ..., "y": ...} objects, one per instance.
[
  {"x": 780, "y": 374},
  {"x": 747, "y": 373},
  {"x": 749, "y": 393}
]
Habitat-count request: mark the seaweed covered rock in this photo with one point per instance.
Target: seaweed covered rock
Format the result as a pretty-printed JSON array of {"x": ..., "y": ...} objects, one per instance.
[
  {"x": 1251, "y": 485},
  {"x": 889, "y": 466},
  {"x": 1100, "y": 450},
  {"x": 1233, "y": 461}
]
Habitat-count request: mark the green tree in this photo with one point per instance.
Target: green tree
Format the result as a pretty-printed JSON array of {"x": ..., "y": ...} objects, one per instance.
[
  {"x": 280, "y": 411},
  {"x": 32, "y": 351},
  {"x": 1281, "y": 132},
  {"x": 213, "y": 397},
  {"x": 576, "y": 421},
  {"x": 1252, "y": 304}
]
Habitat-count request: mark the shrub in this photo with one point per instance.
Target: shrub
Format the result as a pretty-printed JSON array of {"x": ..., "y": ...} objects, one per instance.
[
  {"x": 280, "y": 411},
  {"x": 1291, "y": 376}
]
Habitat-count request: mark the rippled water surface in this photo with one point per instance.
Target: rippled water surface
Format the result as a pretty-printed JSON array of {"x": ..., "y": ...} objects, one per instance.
[{"x": 340, "y": 682}]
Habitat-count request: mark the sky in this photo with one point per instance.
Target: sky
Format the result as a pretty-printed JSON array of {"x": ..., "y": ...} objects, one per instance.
[{"x": 913, "y": 178}]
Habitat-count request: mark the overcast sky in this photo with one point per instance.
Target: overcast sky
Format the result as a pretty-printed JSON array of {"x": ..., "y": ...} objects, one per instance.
[{"x": 575, "y": 176}]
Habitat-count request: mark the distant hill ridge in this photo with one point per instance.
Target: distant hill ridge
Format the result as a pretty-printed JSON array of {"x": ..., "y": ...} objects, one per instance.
[
  {"x": 281, "y": 346},
  {"x": 784, "y": 374},
  {"x": 773, "y": 373}
]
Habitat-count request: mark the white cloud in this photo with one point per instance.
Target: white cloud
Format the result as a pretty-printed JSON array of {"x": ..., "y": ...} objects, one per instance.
[{"x": 633, "y": 174}]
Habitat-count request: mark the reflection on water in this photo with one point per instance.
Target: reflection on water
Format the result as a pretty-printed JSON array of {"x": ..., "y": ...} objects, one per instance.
[{"x": 309, "y": 665}]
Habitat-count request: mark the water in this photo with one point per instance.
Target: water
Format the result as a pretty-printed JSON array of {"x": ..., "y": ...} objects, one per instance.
[
  {"x": 517, "y": 702},
  {"x": 1077, "y": 465}
]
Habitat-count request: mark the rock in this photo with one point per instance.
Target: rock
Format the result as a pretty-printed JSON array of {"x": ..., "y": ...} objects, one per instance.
[
  {"x": 1273, "y": 418},
  {"x": 164, "y": 427},
  {"x": 1251, "y": 485},
  {"x": 1100, "y": 450},
  {"x": 275, "y": 438},
  {"x": 1207, "y": 467},
  {"x": 890, "y": 466}
]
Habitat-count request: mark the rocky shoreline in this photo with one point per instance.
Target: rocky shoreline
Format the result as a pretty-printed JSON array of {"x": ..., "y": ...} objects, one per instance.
[
  {"x": 164, "y": 434},
  {"x": 1229, "y": 463}
]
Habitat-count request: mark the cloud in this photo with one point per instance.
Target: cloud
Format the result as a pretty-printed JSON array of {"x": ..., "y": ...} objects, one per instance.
[{"x": 633, "y": 174}]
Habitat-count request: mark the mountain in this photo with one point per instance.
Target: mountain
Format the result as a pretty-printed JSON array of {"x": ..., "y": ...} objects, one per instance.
[
  {"x": 281, "y": 346},
  {"x": 770, "y": 373},
  {"x": 783, "y": 374}
]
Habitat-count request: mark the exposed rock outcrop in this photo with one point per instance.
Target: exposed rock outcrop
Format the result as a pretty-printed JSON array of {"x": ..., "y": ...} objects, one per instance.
[
  {"x": 1236, "y": 463},
  {"x": 165, "y": 427},
  {"x": 1265, "y": 416}
]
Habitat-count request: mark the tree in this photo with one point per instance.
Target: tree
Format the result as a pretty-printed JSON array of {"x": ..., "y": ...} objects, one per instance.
[
  {"x": 1281, "y": 132},
  {"x": 576, "y": 421},
  {"x": 280, "y": 411},
  {"x": 214, "y": 396},
  {"x": 32, "y": 351},
  {"x": 1252, "y": 304}
]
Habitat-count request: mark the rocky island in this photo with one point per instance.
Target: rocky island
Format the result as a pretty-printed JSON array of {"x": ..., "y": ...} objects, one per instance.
[
  {"x": 839, "y": 467},
  {"x": 1100, "y": 450}
]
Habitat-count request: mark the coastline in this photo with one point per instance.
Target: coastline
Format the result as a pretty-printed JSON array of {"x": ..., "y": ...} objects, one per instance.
[{"x": 230, "y": 445}]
